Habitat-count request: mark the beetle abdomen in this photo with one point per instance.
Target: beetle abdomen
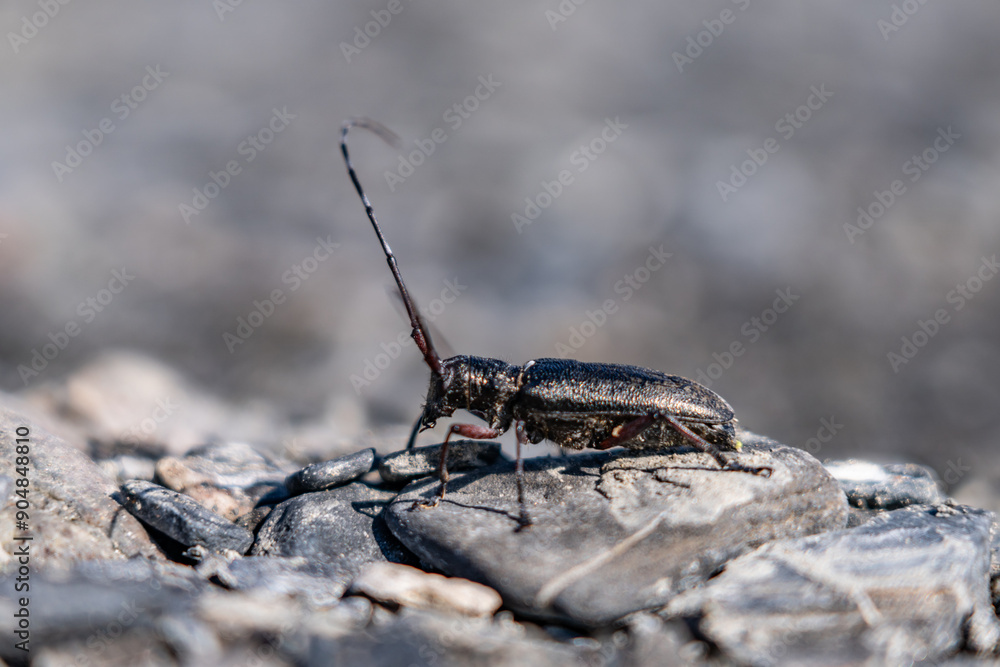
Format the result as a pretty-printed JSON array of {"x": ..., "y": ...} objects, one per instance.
[{"x": 567, "y": 386}]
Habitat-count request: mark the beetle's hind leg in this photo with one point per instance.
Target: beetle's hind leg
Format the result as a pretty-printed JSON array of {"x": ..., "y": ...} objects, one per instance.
[{"x": 704, "y": 445}]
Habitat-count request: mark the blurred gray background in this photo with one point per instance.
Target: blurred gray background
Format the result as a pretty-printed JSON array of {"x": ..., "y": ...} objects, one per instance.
[{"x": 700, "y": 88}]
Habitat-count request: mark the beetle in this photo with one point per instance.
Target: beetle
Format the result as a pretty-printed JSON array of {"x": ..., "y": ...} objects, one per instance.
[{"x": 574, "y": 404}]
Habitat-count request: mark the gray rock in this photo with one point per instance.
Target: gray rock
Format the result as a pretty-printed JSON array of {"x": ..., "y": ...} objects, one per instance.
[
  {"x": 614, "y": 534},
  {"x": 229, "y": 478},
  {"x": 410, "y": 464},
  {"x": 420, "y": 637},
  {"x": 342, "y": 526},
  {"x": 71, "y": 502},
  {"x": 890, "y": 486},
  {"x": 182, "y": 519},
  {"x": 328, "y": 474},
  {"x": 906, "y": 586}
]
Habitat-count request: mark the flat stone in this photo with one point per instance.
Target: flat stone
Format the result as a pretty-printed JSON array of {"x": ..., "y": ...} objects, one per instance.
[
  {"x": 407, "y": 586},
  {"x": 229, "y": 478},
  {"x": 614, "y": 533},
  {"x": 909, "y": 585},
  {"x": 72, "y": 510},
  {"x": 328, "y": 474},
  {"x": 890, "y": 486},
  {"x": 182, "y": 519},
  {"x": 342, "y": 526},
  {"x": 410, "y": 464}
]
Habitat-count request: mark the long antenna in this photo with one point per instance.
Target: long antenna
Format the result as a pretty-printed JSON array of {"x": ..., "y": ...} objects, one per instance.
[{"x": 419, "y": 333}]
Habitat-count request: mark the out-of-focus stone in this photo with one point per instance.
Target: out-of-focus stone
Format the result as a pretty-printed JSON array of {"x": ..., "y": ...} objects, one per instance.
[
  {"x": 73, "y": 515},
  {"x": 409, "y": 587},
  {"x": 228, "y": 478}
]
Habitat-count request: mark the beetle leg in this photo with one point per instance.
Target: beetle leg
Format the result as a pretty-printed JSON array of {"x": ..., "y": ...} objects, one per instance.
[
  {"x": 523, "y": 520},
  {"x": 413, "y": 434},
  {"x": 709, "y": 448},
  {"x": 473, "y": 431}
]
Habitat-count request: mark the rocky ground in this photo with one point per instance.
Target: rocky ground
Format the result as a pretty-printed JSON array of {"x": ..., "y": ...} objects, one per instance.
[{"x": 190, "y": 546}]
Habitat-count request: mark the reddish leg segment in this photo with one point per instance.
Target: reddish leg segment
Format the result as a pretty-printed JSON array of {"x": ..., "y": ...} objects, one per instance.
[{"x": 473, "y": 431}]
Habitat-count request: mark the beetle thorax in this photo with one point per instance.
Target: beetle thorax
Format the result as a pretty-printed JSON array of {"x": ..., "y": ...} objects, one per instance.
[{"x": 484, "y": 387}]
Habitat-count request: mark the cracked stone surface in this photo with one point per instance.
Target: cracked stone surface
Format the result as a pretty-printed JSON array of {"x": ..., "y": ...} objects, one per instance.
[
  {"x": 72, "y": 503},
  {"x": 907, "y": 586},
  {"x": 613, "y": 533}
]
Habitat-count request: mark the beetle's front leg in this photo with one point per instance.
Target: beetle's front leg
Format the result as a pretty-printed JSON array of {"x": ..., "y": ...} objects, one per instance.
[{"x": 474, "y": 431}]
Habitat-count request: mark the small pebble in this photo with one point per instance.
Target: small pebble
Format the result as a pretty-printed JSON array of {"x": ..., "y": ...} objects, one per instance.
[
  {"x": 409, "y": 587},
  {"x": 328, "y": 474},
  {"x": 182, "y": 519},
  {"x": 411, "y": 464}
]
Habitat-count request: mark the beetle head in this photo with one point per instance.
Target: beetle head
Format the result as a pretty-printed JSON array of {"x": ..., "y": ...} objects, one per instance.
[{"x": 482, "y": 386}]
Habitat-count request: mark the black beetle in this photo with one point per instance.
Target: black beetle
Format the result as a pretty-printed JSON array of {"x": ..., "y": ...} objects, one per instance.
[{"x": 571, "y": 403}]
